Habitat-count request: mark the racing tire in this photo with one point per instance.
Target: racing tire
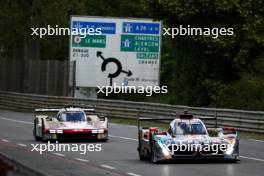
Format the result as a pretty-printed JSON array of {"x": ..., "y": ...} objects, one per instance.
[
  {"x": 103, "y": 140},
  {"x": 37, "y": 138},
  {"x": 235, "y": 161},
  {"x": 230, "y": 161},
  {"x": 152, "y": 157},
  {"x": 43, "y": 131},
  {"x": 139, "y": 149},
  {"x": 141, "y": 156}
]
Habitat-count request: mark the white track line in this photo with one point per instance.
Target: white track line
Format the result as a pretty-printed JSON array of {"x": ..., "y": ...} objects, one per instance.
[
  {"x": 83, "y": 160},
  {"x": 12, "y": 120},
  {"x": 25, "y": 122},
  {"x": 22, "y": 145},
  {"x": 58, "y": 154},
  {"x": 133, "y": 174},
  {"x": 107, "y": 166},
  {"x": 5, "y": 140},
  {"x": 252, "y": 158},
  {"x": 256, "y": 140},
  {"x": 121, "y": 137},
  {"x": 116, "y": 124}
]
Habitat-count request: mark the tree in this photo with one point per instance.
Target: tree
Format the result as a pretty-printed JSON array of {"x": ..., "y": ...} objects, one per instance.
[{"x": 205, "y": 65}]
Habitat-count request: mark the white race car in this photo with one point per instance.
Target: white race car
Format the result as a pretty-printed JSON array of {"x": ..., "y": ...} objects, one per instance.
[
  {"x": 187, "y": 138},
  {"x": 69, "y": 123}
]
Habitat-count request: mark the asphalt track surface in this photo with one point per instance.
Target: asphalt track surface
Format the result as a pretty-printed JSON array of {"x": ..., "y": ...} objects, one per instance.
[{"x": 118, "y": 156}]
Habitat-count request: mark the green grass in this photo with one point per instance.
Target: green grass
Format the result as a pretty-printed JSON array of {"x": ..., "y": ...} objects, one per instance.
[
  {"x": 134, "y": 122},
  {"x": 250, "y": 135}
]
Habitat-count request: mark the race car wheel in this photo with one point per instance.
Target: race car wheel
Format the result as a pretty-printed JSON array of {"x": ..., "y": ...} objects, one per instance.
[
  {"x": 42, "y": 131},
  {"x": 37, "y": 138},
  {"x": 141, "y": 156},
  {"x": 152, "y": 159},
  {"x": 103, "y": 140}
]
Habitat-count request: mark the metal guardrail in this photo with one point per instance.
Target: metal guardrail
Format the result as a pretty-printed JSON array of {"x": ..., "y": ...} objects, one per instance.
[
  {"x": 16, "y": 168},
  {"x": 251, "y": 121}
]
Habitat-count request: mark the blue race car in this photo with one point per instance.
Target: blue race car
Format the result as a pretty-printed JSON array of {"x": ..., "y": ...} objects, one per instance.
[{"x": 187, "y": 138}]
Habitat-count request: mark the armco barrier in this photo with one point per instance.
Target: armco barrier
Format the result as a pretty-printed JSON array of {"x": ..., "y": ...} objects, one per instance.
[
  {"x": 251, "y": 121},
  {"x": 16, "y": 168}
]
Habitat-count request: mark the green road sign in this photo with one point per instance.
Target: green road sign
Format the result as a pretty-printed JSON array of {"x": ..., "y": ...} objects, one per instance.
[
  {"x": 153, "y": 56},
  {"x": 139, "y": 43},
  {"x": 97, "y": 41}
]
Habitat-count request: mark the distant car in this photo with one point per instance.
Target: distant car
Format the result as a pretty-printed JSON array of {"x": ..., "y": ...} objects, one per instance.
[
  {"x": 69, "y": 123},
  {"x": 185, "y": 130}
]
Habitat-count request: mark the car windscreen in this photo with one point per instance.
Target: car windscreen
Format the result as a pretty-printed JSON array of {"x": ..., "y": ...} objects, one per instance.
[
  {"x": 72, "y": 116},
  {"x": 192, "y": 128}
]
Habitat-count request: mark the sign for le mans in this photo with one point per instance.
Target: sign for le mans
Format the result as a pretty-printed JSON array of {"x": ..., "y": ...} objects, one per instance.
[{"x": 115, "y": 50}]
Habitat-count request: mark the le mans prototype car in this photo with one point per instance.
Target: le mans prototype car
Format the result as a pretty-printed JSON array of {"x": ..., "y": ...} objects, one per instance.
[
  {"x": 69, "y": 123},
  {"x": 187, "y": 138}
]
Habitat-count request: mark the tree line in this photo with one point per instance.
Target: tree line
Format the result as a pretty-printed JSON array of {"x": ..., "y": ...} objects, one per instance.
[{"x": 226, "y": 72}]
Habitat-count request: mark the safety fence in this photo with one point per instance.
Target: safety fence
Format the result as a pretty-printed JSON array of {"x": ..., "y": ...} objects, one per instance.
[
  {"x": 9, "y": 166},
  {"x": 251, "y": 121},
  {"x": 46, "y": 77}
]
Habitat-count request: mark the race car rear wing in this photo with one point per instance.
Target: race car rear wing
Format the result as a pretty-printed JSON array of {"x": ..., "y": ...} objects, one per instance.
[
  {"x": 54, "y": 111},
  {"x": 151, "y": 119},
  {"x": 57, "y": 110},
  {"x": 181, "y": 116},
  {"x": 47, "y": 110}
]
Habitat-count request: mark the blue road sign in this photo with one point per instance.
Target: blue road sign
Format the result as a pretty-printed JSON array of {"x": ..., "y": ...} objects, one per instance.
[
  {"x": 141, "y": 28},
  {"x": 106, "y": 28}
]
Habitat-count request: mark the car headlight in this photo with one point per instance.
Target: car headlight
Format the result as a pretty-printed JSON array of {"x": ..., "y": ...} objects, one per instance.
[
  {"x": 52, "y": 131},
  {"x": 101, "y": 131},
  {"x": 56, "y": 131},
  {"x": 230, "y": 149},
  {"x": 98, "y": 131},
  {"x": 164, "y": 149},
  {"x": 60, "y": 131}
]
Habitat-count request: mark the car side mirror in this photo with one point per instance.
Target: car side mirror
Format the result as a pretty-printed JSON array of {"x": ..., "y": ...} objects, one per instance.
[
  {"x": 170, "y": 131},
  {"x": 102, "y": 118},
  {"x": 212, "y": 132}
]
